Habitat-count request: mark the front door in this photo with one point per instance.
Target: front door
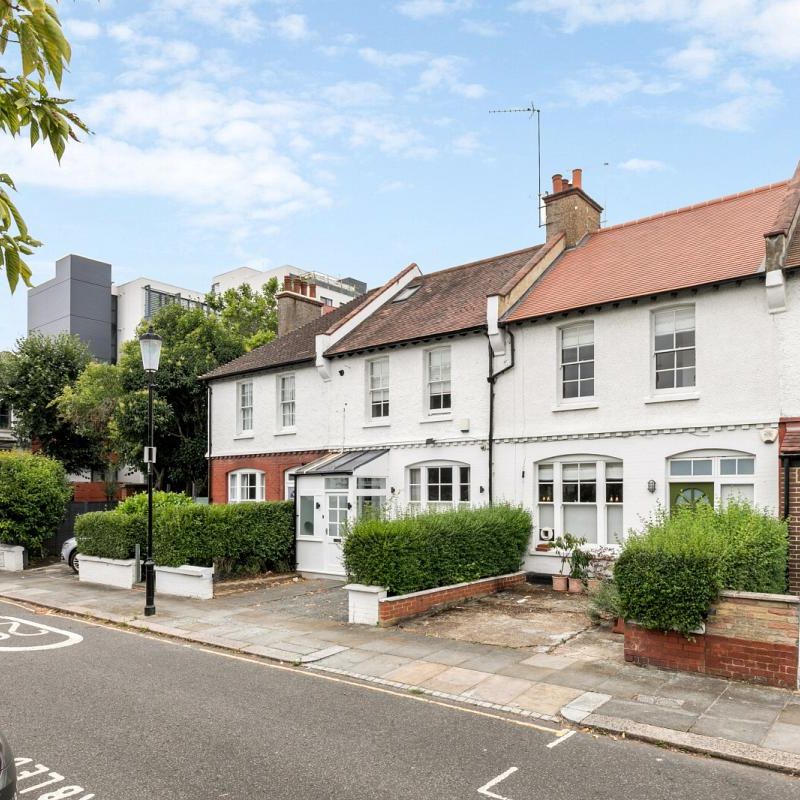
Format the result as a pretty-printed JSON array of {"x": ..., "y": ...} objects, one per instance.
[
  {"x": 691, "y": 495},
  {"x": 337, "y": 508}
]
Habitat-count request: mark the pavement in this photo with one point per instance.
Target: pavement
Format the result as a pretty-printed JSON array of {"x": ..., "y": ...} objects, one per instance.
[
  {"x": 106, "y": 712},
  {"x": 303, "y": 623}
]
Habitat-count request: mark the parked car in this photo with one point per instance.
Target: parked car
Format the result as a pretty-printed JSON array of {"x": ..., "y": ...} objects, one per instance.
[
  {"x": 69, "y": 555},
  {"x": 8, "y": 772}
]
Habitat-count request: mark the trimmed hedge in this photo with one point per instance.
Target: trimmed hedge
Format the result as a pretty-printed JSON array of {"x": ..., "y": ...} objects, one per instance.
[
  {"x": 669, "y": 575},
  {"x": 245, "y": 537},
  {"x": 437, "y": 548},
  {"x": 137, "y": 503},
  {"x": 34, "y": 496}
]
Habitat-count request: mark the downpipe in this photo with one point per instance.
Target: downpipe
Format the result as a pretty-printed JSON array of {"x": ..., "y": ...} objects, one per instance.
[{"x": 492, "y": 380}]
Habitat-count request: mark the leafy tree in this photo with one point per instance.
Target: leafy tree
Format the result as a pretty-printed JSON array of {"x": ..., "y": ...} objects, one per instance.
[
  {"x": 27, "y": 106},
  {"x": 250, "y": 313},
  {"x": 194, "y": 342},
  {"x": 32, "y": 378}
]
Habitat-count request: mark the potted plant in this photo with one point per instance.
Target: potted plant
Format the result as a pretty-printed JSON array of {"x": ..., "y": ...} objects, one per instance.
[
  {"x": 578, "y": 566},
  {"x": 564, "y": 546},
  {"x": 600, "y": 567}
]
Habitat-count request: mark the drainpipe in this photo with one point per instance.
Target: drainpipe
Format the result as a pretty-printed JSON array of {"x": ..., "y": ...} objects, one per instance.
[
  {"x": 208, "y": 425},
  {"x": 492, "y": 379}
]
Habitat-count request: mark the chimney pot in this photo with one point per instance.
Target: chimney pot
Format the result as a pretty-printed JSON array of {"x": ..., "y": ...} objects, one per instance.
[
  {"x": 557, "y": 186},
  {"x": 577, "y": 175}
]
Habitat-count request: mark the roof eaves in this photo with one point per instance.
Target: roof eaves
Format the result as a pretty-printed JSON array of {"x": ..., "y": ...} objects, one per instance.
[
  {"x": 410, "y": 340},
  {"x": 212, "y": 376}
]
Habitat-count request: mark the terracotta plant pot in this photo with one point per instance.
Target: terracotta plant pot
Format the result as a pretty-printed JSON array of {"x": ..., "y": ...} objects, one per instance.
[
  {"x": 619, "y": 625},
  {"x": 575, "y": 585},
  {"x": 560, "y": 583},
  {"x": 593, "y": 584}
]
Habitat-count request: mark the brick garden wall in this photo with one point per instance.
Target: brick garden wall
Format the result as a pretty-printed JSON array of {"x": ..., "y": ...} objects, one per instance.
[
  {"x": 274, "y": 466},
  {"x": 394, "y": 609},
  {"x": 750, "y": 637},
  {"x": 794, "y": 525}
]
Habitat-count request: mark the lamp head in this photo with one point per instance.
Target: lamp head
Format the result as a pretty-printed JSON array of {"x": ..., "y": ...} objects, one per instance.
[{"x": 150, "y": 345}]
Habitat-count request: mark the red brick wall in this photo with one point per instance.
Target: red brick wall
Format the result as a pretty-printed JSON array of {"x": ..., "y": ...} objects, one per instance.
[
  {"x": 274, "y": 467},
  {"x": 748, "y": 637},
  {"x": 394, "y": 609},
  {"x": 95, "y": 492},
  {"x": 794, "y": 525}
]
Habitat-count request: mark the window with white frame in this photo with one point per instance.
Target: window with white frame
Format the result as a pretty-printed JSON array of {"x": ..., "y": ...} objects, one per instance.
[
  {"x": 437, "y": 369},
  {"x": 439, "y": 486},
  {"x": 245, "y": 407},
  {"x": 577, "y": 361},
  {"x": 286, "y": 404},
  {"x": 581, "y": 496},
  {"x": 370, "y": 496},
  {"x": 711, "y": 477},
  {"x": 674, "y": 348},
  {"x": 378, "y": 388},
  {"x": 246, "y": 485}
]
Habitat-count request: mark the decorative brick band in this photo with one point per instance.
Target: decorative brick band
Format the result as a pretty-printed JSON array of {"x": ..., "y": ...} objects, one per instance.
[
  {"x": 404, "y": 606},
  {"x": 748, "y": 637}
]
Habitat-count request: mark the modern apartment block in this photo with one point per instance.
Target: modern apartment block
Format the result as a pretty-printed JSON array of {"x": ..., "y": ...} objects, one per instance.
[{"x": 82, "y": 299}]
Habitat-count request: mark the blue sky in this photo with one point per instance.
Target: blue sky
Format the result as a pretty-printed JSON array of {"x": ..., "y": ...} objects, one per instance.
[{"x": 354, "y": 137}]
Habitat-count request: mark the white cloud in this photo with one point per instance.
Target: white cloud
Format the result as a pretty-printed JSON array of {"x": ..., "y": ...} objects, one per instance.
[
  {"x": 379, "y": 58},
  {"x": 292, "y": 27},
  {"x": 482, "y": 27},
  {"x": 82, "y": 29},
  {"x": 390, "y": 138},
  {"x": 696, "y": 60},
  {"x": 611, "y": 84},
  {"x": 467, "y": 144},
  {"x": 349, "y": 94},
  {"x": 444, "y": 72},
  {"x": 643, "y": 165},
  {"x": 768, "y": 29},
  {"x": 422, "y": 9},
  {"x": 237, "y": 18},
  {"x": 754, "y": 97}
]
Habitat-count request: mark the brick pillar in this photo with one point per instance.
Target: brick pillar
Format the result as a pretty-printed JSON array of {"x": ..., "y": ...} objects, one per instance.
[{"x": 794, "y": 524}]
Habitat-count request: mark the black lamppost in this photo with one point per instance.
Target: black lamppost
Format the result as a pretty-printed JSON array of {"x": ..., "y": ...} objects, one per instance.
[{"x": 150, "y": 344}]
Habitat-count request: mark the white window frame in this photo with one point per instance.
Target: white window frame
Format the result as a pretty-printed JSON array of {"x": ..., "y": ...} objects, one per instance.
[
  {"x": 419, "y": 500},
  {"x": 256, "y": 481},
  {"x": 654, "y": 353},
  {"x": 601, "y": 503},
  {"x": 562, "y": 381},
  {"x": 716, "y": 476},
  {"x": 285, "y": 405},
  {"x": 374, "y": 393},
  {"x": 430, "y": 383},
  {"x": 241, "y": 417}
]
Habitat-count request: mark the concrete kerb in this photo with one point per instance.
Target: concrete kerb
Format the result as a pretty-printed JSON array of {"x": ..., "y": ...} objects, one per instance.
[{"x": 739, "y": 752}]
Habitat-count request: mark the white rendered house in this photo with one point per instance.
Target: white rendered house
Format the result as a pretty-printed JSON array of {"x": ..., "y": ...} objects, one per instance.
[{"x": 592, "y": 379}]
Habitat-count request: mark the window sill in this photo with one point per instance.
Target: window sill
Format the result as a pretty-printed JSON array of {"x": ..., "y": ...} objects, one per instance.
[
  {"x": 437, "y": 418},
  {"x": 672, "y": 398},
  {"x": 248, "y": 435},
  {"x": 287, "y": 432},
  {"x": 575, "y": 406},
  {"x": 381, "y": 424}
]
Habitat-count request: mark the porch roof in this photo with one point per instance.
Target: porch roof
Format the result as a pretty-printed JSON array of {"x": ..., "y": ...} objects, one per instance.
[{"x": 340, "y": 463}]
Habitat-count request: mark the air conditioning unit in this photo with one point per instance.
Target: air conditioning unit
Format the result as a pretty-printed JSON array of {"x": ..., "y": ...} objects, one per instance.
[{"x": 547, "y": 534}]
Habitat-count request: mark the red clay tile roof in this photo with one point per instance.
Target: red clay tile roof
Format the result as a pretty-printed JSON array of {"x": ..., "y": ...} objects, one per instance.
[
  {"x": 447, "y": 301},
  {"x": 705, "y": 243},
  {"x": 291, "y": 348},
  {"x": 790, "y": 444}
]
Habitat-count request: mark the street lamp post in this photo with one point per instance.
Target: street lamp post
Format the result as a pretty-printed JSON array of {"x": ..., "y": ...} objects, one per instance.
[{"x": 150, "y": 344}]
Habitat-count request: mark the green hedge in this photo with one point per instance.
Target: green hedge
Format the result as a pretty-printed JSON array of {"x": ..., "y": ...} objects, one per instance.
[
  {"x": 437, "y": 548},
  {"x": 669, "y": 575},
  {"x": 34, "y": 496},
  {"x": 137, "y": 503},
  {"x": 245, "y": 537}
]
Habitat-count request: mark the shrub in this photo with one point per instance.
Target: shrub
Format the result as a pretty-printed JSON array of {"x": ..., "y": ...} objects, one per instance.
[
  {"x": 436, "y": 548},
  {"x": 137, "y": 503},
  {"x": 246, "y": 537},
  {"x": 669, "y": 575},
  {"x": 34, "y": 496}
]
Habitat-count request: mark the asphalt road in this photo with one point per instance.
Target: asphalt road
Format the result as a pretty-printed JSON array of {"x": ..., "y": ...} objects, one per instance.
[{"x": 121, "y": 715}]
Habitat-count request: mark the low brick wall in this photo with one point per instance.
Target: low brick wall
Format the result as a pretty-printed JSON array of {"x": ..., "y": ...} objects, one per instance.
[
  {"x": 404, "y": 606},
  {"x": 749, "y": 637}
]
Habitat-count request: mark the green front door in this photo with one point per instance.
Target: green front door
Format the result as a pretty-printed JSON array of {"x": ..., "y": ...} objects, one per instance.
[{"x": 690, "y": 494}]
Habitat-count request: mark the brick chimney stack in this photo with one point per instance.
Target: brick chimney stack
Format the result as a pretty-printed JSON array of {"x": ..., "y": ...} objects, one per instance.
[
  {"x": 570, "y": 210},
  {"x": 297, "y": 304}
]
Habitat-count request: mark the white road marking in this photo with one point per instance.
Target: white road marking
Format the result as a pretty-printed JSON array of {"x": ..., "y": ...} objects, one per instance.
[
  {"x": 484, "y": 790},
  {"x": 60, "y": 793},
  {"x": 562, "y": 738},
  {"x": 15, "y": 627}
]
